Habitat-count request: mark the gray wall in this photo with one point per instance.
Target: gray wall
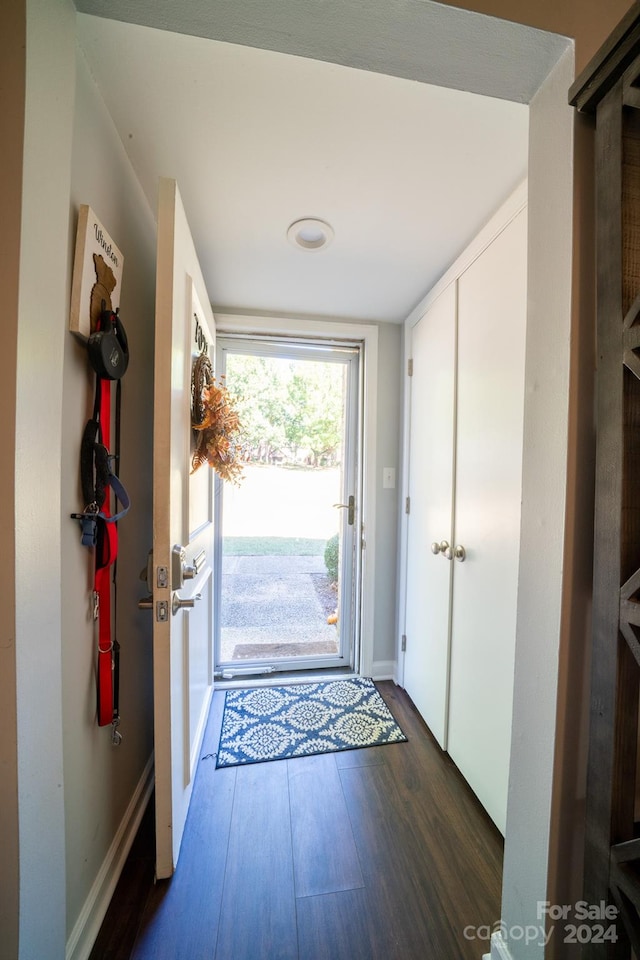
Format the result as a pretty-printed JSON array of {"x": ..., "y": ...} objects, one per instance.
[
  {"x": 66, "y": 789},
  {"x": 100, "y": 780}
]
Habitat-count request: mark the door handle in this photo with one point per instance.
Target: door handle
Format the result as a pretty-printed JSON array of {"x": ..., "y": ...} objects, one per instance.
[
  {"x": 456, "y": 553},
  {"x": 441, "y": 547},
  {"x": 177, "y": 603},
  {"x": 351, "y": 507}
]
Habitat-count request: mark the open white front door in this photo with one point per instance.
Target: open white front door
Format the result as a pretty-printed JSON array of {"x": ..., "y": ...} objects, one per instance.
[{"x": 182, "y": 530}]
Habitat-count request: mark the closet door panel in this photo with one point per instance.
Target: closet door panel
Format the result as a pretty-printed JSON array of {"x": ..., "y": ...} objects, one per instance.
[
  {"x": 426, "y": 668},
  {"x": 488, "y": 489}
]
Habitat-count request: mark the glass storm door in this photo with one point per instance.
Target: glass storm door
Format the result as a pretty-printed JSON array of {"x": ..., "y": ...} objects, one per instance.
[{"x": 287, "y": 545}]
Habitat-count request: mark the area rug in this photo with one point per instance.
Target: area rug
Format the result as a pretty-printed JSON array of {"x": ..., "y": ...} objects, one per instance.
[{"x": 277, "y": 723}]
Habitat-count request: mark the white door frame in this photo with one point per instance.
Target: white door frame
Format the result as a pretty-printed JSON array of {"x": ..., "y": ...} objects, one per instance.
[
  {"x": 367, "y": 333},
  {"x": 346, "y": 356}
]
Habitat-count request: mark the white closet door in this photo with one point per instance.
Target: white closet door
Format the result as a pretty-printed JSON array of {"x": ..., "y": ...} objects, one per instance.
[
  {"x": 426, "y": 666},
  {"x": 490, "y": 398}
]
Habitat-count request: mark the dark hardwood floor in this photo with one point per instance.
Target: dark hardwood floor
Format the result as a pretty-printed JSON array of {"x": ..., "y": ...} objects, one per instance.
[{"x": 377, "y": 854}]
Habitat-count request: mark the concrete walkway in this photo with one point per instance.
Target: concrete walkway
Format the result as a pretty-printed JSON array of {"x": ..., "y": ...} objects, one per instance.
[{"x": 271, "y": 608}]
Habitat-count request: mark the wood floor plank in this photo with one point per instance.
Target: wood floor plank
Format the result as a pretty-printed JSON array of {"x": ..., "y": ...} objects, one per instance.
[
  {"x": 338, "y": 926},
  {"x": 258, "y": 918},
  {"x": 365, "y": 757},
  {"x": 325, "y": 859},
  {"x": 465, "y": 849},
  {"x": 397, "y": 877},
  {"x": 180, "y": 921},
  {"x": 211, "y": 737}
]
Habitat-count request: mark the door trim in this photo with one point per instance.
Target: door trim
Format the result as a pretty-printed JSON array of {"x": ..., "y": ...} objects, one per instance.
[
  {"x": 348, "y": 355},
  {"x": 367, "y": 333}
]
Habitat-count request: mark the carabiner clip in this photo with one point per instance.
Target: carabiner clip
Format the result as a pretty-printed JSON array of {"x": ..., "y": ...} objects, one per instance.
[{"x": 116, "y": 736}]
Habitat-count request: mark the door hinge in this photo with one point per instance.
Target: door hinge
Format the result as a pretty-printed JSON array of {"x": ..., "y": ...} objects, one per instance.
[
  {"x": 410, "y": 367},
  {"x": 404, "y": 643},
  {"x": 407, "y": 505}
]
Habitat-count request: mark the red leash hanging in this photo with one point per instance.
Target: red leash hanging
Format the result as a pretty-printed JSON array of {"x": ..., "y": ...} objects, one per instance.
[
  {"x": 106, "y": 553},
  {"x": 108, "y": 352}
]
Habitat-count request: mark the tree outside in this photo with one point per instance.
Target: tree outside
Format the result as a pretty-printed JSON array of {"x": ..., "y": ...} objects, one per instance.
[{"x": 291, "y": 411}]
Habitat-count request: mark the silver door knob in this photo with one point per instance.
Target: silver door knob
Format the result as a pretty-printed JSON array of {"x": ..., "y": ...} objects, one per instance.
[
  {"x": 457, "y": 553},
  {"x": 177, "y": 603},
  {"x": 441, "y": 547}
]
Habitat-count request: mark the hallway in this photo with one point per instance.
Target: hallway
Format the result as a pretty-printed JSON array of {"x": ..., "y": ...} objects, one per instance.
[{"x": 378, "y": 854}]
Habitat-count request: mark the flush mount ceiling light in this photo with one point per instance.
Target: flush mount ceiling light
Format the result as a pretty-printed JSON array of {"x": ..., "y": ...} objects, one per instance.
[{"x": 310, "y": 234}]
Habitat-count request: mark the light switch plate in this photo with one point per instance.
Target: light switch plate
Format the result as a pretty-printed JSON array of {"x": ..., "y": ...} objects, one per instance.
[{"x": 388, "y": 477}]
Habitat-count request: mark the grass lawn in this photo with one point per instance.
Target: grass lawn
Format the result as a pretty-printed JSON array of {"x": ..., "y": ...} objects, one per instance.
[
  {"x": 272, "y": 501},
  {"x": 272, "y": 547}
]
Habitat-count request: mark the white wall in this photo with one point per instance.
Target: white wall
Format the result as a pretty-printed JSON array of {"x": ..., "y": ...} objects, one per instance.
[
  {"x": 526, "y": 857},
  {"x": 100, "y": 780},
  {"x": 43, "y": 312}
]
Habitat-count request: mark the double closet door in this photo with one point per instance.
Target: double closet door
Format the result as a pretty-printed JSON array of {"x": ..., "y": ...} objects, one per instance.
[{"x": 465, "y": 486}]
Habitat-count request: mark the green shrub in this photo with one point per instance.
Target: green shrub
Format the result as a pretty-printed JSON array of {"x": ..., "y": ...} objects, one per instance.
[{"x": 331, "y": 558}]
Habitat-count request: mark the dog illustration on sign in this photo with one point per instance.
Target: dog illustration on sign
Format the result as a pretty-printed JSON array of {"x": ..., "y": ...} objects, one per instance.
[
  {"x": 97, "y": 274},
  {"x": 101, "y": 291}
]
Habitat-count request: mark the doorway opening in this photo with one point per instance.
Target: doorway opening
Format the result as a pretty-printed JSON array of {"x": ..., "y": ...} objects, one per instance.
[{"x": 287, "y": 549}]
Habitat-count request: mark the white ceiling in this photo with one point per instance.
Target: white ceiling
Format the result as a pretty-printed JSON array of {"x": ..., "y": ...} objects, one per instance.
[{"x": 404, "y": 171}]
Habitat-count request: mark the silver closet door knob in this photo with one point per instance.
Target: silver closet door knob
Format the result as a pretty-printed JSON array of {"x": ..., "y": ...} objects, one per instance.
[
  {"x": 459, "y": 553},
  {"x": 441, "y": 547}
]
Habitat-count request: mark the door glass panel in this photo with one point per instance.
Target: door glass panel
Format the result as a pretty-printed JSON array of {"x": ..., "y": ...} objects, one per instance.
[{"x": 286, "y": 553}]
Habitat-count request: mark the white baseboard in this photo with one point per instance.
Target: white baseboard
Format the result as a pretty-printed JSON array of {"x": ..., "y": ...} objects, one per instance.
[
  {"x": 499, "y": 949},
  {"x": 87, "y": 926},
  {"x": 384, "y": 670}
]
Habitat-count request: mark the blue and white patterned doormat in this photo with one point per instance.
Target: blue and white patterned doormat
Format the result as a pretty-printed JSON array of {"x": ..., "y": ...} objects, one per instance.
[{"x": 277, "y": 723}]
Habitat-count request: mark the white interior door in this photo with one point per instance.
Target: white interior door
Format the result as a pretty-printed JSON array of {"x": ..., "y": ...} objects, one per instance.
[
  {"x": 426, "y": 667},
  {"x": 492, "y": 307},
  {"x": 182, "y": 518}
]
